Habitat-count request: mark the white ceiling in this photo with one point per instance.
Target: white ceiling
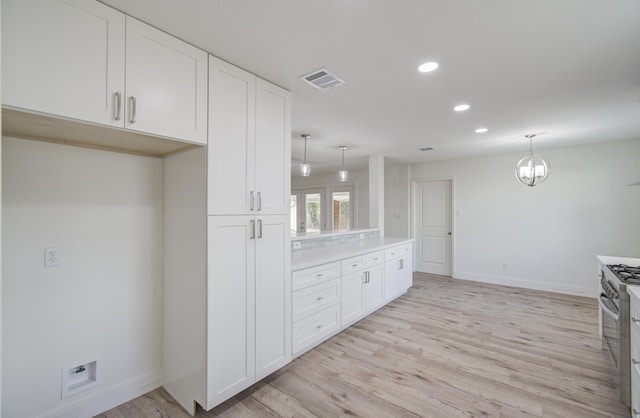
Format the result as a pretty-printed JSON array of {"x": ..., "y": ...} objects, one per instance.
[{"x": 566, "y": 69}]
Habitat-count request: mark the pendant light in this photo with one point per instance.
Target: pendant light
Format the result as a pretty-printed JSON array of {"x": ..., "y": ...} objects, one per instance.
[
  {"x": 343, "y": 174},
  {"x": 305, "y": 168},
  {"x": 532, "y": 169}
]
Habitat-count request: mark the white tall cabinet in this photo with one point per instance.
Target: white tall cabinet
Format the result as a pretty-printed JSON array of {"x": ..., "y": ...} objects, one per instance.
[
  {"x": 85, "y": 61},
  {"x": 246, "y": 304}
]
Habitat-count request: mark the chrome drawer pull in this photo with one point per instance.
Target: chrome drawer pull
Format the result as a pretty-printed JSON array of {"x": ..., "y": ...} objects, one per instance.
[
  {"x": 636, "y": 412},
  {"x": 319, "y": 275},
  {"x": 320, "y": 298},
  {"x": 635, "y": 319},
  {"x": 133, "y": 101},
  {"x": 118, "y": 105},
  {"x": 634, "y": 361},
  {"x": 319, "y": 326},
  {"x": 354, "y": 265}
]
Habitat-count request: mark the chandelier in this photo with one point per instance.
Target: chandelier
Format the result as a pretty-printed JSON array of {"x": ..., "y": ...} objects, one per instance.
[{"x": 532, "y": 169}]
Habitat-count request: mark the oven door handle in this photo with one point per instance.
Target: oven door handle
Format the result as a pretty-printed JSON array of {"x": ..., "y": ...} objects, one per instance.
[{"x": 606, "y": 310}]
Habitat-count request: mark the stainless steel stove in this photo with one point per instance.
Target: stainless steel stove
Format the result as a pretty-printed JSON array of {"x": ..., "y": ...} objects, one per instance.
[{"x": 614, "y": 321}]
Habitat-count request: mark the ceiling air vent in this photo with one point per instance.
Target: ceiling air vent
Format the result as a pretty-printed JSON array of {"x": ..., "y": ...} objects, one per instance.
[{"x": 322, "y": 79}]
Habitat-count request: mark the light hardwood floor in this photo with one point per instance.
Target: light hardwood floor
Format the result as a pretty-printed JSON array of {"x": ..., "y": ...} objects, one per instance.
[{"x": 448, "y": 348}]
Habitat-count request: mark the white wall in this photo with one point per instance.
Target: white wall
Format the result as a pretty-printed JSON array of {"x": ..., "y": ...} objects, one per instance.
[
  {"x": 396, "y": 202},
  {"x": 358, "y": 178},
  {"x": 547, "y": 235},
  {"x": 104, "y": 211}
]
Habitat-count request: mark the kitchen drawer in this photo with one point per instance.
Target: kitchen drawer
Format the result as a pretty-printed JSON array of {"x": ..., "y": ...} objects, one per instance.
[
  {"x": 315, "y": 298},
  {"x": 397, "y": 252},
  {"x": 312, "y": 330},
  {"x": 635, "y": 349},
  {"x": 313, "y": 275},
  {"x": 372, "y": 259},
  {"x": 634, "y": 312},
  {"x": 360, "y": 262}
]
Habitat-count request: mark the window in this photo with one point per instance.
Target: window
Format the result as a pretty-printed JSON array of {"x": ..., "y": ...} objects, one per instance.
[
  {"x": 307, "y": 210},
  {"x": 324, "y": 209}
]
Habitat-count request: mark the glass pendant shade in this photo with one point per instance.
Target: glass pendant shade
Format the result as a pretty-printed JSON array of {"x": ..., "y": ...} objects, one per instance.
[
  {"x": 343, "y": 174},
  {"x": 305, "y": 168},
  {"x": 532, "y": 169}
]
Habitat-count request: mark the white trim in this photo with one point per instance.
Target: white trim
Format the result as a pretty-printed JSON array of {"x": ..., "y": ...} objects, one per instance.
[
  {"x": 94, "y": 402},
  {"x": 590, "y": 292}
]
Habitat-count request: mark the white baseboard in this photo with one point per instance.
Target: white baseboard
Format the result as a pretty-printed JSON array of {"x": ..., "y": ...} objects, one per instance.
[
  {"x": 590, "y": 292},
  {"x": 94, "y": 402}
]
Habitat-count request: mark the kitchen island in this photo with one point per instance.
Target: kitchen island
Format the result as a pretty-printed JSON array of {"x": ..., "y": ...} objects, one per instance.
[{"x": 336, "y": 284}]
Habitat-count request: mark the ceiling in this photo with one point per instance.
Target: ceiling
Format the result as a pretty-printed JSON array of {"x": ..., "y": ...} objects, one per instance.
[{"x": 568, "y": 70}]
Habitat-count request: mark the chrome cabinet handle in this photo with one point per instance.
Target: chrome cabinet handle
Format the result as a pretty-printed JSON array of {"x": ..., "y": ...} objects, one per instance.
[
  {"x": 319, "y": 275},
  {"x": 251, "y": 200},
  {"x": 253, "y": 230},
  {"x": 133, "y": 101},
  {"x": 318, "y": 326},
  {"x": 259, "y": 228},
  {"x": 634, "y": 361},
  {"x": 118, "y": 98},
  {"x": 259, "y": 200},
  {"x": 320, "y": 298},
  {"x": 636, "y": 412},
  {"x": 354, "y": 265},
  {"x": 401, "y": 264},
  {"x": 634, "y": 319}
]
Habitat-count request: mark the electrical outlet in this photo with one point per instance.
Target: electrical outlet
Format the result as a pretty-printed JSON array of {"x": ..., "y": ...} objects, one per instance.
[{"x": 52, "y": 257}]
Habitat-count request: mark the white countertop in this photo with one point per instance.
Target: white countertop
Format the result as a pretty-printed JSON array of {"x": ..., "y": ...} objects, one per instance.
[
  {"x": 301, "y": 259},
  {"x": 606, "y": 259}
]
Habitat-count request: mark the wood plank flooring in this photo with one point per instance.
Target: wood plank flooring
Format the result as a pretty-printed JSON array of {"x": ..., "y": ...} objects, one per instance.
[{"x": 448, "y": 348}]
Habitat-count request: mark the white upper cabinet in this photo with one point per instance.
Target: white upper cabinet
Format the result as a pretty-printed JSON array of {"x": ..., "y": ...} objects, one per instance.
[
  {"x": 166, "y": 84},
  {"x": 231, "y": 156},
  {"x": 273, "y": 148},
  {"x": 72, "y": 59},
  {"x": 64, "y": 58},
  {"x": 249, "y": 143}
]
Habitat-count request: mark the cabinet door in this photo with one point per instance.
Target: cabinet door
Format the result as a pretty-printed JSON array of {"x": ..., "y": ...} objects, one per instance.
[
  {"x": 230, "y": 307},
  {"x": 64, "y": 58},
  {"x": 273, "y": 148},
  {"x": 391, "y": 273},
  {"x": 273, "y": 294},
  {"x": 405, "y": 272},
  {"x": 374, "y": 288},
  {"x": 231, "y": 164},
  {"x": 166, "y": 84},
  {"x": 352, "y": 298}
]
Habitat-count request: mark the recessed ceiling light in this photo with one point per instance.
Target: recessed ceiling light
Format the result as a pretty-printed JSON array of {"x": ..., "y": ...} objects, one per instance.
[
  {"x": 461, "y": 107},
  {"x": 481, "y": 130},
  {"x": 427, "y": 67}
]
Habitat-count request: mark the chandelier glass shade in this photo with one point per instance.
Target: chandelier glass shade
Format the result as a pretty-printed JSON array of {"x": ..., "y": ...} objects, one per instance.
[
  {"x": 305, "y": 168},
  {"x": 343, "y": 174},
  {"x": 532, "y": 169}
]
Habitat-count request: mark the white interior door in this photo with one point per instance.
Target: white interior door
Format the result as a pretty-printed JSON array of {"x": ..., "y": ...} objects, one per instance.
[{"x": 432, "y": 226}]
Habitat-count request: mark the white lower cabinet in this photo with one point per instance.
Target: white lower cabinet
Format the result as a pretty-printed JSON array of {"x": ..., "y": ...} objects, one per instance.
[
  {"x": 315, "y": 305},
  {"x": 248, "y": 303},
  {"x": 398, "y": 273},
  {"x": 329, "y": 297},
  {"x": 363, "y": 287},
  {"x": 634, "y": 334}
]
